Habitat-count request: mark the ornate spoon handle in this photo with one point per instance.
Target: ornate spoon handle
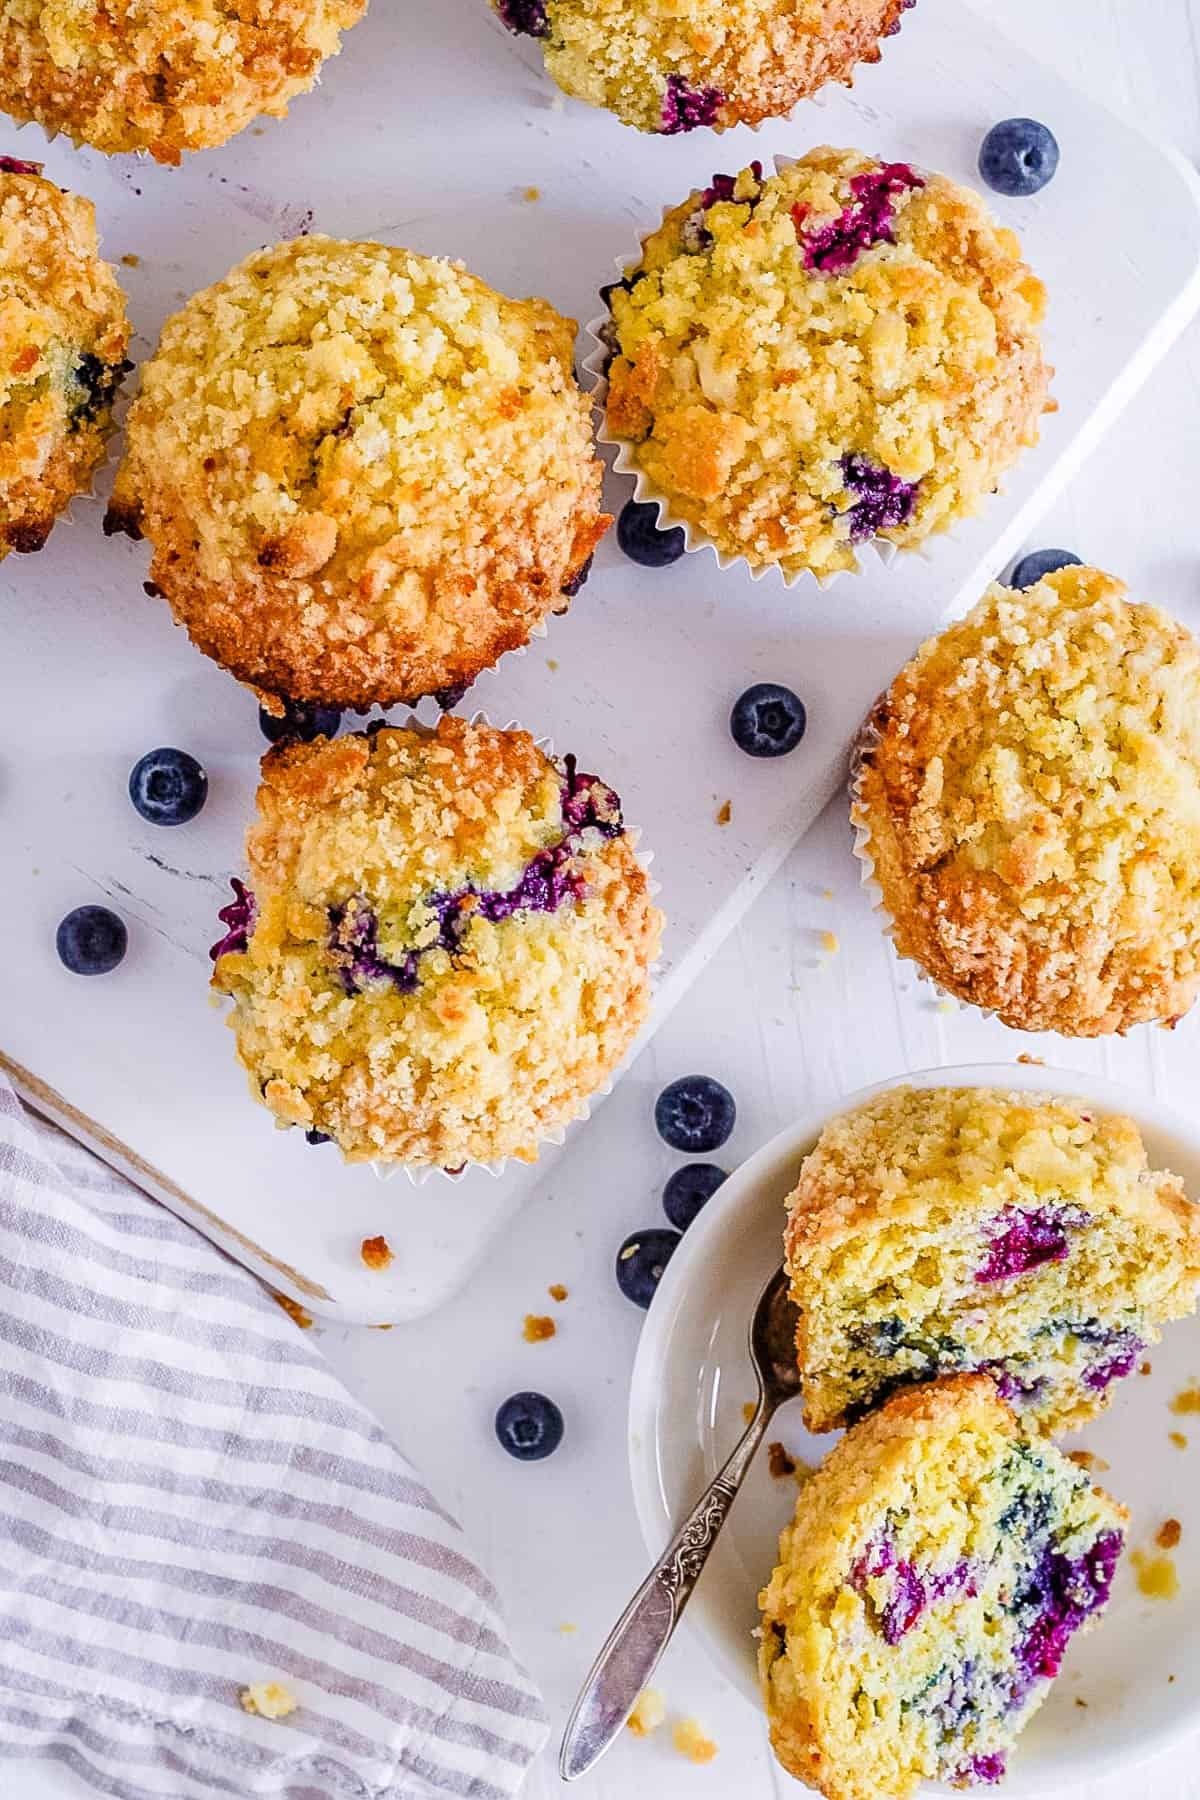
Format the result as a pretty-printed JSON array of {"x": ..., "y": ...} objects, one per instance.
[{"x": 638, "y": 1639}]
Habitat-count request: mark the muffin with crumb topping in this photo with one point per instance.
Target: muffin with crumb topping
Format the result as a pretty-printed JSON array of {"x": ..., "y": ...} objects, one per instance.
[
  {"x": 444, "y": 946},
  {"x": 1028, "y": 797},
  {"x": 364, "y": 474},
  {"x": 162, "y": 75},
  {"x": 673, "y": 65},
  {"x": 63, "y": 337},
  {"x": 843, "y": 351},
  {"x": 937, "y": 1567},
  {"x": 941, "y": 1230}
]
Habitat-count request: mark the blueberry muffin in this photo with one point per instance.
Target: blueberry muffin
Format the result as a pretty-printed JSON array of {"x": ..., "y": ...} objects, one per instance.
[
  {"x": 944, "y": 1229},
  {"x": 1029, "y": 793},
  {"x": 63, "y": 337},
  {"x": 444, "y": 947},
  {"x": 672, "y": 65},
  {"x": 842, "y": 351},
  {"x": 364, "y": 474},
  {"x": 937, "y": 1567},
  {"x": 162, "y": 75}
]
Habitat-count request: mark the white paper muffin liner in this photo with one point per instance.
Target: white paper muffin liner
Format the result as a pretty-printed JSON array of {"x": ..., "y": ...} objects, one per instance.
[{"x": 594, "y": 364}]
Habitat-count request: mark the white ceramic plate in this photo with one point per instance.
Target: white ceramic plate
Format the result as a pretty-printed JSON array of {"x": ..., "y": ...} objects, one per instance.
[{"x": 1139, "y": 1673}]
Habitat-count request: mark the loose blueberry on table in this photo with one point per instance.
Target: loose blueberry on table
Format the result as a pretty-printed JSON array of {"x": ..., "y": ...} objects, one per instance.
[
  {"x": 1037, "y": 563},
  {"x": 529, "y": 1426},
  {"x": 695, "y": 1114},
  {"x": 642, "y": 541},
  {"x": 688, "y": 1190},
  {"x": 167, "y": 787},
  {"x": 1018, "y": 157},
  {"x": 768, "y": 720},
  {"x": 641, "y": 1261},
  {"x": 300, "y": 720},
  {"x": 91, "y": 940}
]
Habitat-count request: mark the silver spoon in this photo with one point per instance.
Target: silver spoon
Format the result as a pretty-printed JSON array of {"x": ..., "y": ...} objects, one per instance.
[{"x": 638, "y": 1639}]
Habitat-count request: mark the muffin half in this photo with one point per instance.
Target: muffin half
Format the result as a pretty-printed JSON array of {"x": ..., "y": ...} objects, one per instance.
[{"x": 365, "y": 475}]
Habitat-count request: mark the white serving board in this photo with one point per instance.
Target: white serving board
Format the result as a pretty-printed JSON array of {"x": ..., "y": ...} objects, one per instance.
[{"x": 429, "y": 130}]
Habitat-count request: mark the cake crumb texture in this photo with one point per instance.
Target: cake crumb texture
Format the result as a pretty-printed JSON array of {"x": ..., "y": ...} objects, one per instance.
[
  {"x": 376, "y": 1252},
  {"x": 269, "y": 1699},
  {"x": 649, "y": 1711}
]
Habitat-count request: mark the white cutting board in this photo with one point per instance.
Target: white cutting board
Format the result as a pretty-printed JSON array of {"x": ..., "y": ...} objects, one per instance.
[{"x": 429, "y": 130}]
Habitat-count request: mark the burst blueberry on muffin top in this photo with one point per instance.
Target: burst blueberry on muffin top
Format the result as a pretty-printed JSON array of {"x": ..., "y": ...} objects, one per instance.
[
  {"x": 365, "y": 475},
  {"x": 63, "y": 337},
  {"x": 937, "y": 1567},
  {"x": 675, "y": 65},
  {"x": 162, "y": 75},
  {"x": 946, "y": 1229},
  {"x": 843, "y": 351},
  {"x": 1030, "y": 794},
  {"x": 444, "y": 946}
]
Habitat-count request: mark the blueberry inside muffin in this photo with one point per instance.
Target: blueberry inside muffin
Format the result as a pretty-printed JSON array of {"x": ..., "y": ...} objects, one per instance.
[
  {"x": 937, "y": 1568},
  {"x": 948, "y": 1229},
  {"x": 444, "y": 944}
]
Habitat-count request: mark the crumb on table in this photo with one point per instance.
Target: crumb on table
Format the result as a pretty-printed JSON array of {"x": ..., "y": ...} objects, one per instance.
[
  {"x": 830, "y": 942},
  {"x": 779, "y": 1462},
  {"x": 749, "y": 1408},
  {"x": 1179, "y": 1439},
  {"x": 649, "y": 1711},
  {"x": 1168, "y": 1534},
  {"x": 1081, "y": 1702},
  {"x": 1087, "y": 1459},
  {"x": 130, "y": 260},
  {"x": 268, "y": 1699},
  {"x": 724, "y": 812},
  {"x": 532, "y": 195},
  {"x": 376, "y": 1252},
  {"x": 1036, "y": 1062},
  {"x": 1146, "y": 1368},
  {"x": 947, "y": 1005},
  {"x": 294, "y": 1310},
  {"x": 567, "y": 1629},
  {"x": 690, "y": 1741},
  {"x": 1157, "y": 1576},
  {"x": 557, "y": 1291},
  {"x": 1187, "y": 1400},
  {"x": 538, "y": 1328}
]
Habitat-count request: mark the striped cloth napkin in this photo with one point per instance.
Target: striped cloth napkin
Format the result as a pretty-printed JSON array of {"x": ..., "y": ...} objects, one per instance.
[{"x": 192, "y": 1505}]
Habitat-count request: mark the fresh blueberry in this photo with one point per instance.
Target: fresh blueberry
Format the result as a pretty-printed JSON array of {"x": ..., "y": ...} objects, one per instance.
[
  {"x": 300, "y": 720},
  {"x": 1018, "y": 157},
  {"x": 529, "y": 1426},
  {"x": 641, "y": 1261},
  {"x": 1031, "y": 568},
  {"x": 91, "y": 940},
  {"x": 688, "y": 1190},
  {"x": 768, "y": 720},
  {"x": 695, "y": 1114},
  {"x": 168, "y": 787},
  {"x": 314, "y": 1136},
  {"x": 642, "y": 541}
]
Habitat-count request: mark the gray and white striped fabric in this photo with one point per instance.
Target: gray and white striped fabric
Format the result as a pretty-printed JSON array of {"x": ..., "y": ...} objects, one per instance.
[{"x": 190, "y": 1502}]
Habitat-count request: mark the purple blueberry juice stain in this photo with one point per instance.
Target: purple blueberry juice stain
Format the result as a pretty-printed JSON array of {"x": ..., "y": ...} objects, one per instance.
[
  {"x": 13, "y": 165},
  {"x": 1123, "y": 1345},
  {"x": 528, "y": 18},
  {"x": 883, "y": 501},
  {"x": 1023, "y": 1238},
  {"x": 1060, "y": 1593},
  {"x": 981, "y": 1771},
  {"x": 354, "y": 951},
  {"x": 835, "y": 246},
  {"x": 239, "y": 915},
  {"x": 686, "y": 108},
  {"x": 910, "y": 1592}
]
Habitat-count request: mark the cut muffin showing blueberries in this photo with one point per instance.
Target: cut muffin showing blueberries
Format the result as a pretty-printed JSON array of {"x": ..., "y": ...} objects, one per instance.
[
  {"x": 63, "y": 338},
  {"x": 842, "y": 352},
  {"x": 696, "y": 63},
  {"x": 937, "y": 1567},
  {"x": 364, "y": 474},
  {"x": 444, "y": 948},
  {"x": 943, "y": 1230}
]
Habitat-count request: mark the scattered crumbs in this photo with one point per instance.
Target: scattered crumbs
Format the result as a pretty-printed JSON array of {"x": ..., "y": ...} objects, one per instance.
[
  {"x": 724, "y": 812},
  {"x": 538, "y": 1328},
  {"x": 1179, "y": 1439},
  {"x": 1187, "y": 1400},
  {"x": 379, "y": 1328},
  {"x": 649, "y": 1711},
  {"x": 532, "y": 195},
  {"x": 552, "y": 664},
  {"x": 1035, "y": 1062},
  {"x": 1168, "y": 1534},
  {"x": 1087, "y": 1459},
  {"x": 1170, "y": 1679},
  {"x": 1157, "y": 1576},
  {"x": 691, "y": 1742},
  {"x": 1146, "y": 1369},
  {"x": 557, "y": 1291},
  {"x": 827, "y": 893},
  {"x": 749, "y": 1408},
  {"x": 269, "y": 1699},
  {"x": 130, "y": 260},
  {"x": 946, "y": 1005},
  {"x": 830, "y": 942},
  {"x": 1081, "y": 1702},
  {"x": 294, "y": 1311},
  {"x": 779, "y": 1462},
  {"x": 376, "y": 1252},
  {"x": 566, "y": 1629}
]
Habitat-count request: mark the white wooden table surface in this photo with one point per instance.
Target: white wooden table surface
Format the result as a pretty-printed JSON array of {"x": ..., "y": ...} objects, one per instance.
[{"x": 782, "y": 1023}]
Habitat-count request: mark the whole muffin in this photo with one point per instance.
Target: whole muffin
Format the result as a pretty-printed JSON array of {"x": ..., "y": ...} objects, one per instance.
[
  {"x": 364, "y": 474},
  {"x": 63, "y": 337},
  {"x": 946, "y": 1229},
  {"x": 672, "y": 65},
  {"x": 938, "y": 1565},
  {"x": 1030, "y": 791},
  {"x": 842, "y": 351},
  {"x": 162, "y": 75},
  {"x": 445, "y": 945}
]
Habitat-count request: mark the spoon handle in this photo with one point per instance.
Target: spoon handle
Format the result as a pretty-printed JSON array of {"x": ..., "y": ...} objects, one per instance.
[{"x": 638, "y": 1639}]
